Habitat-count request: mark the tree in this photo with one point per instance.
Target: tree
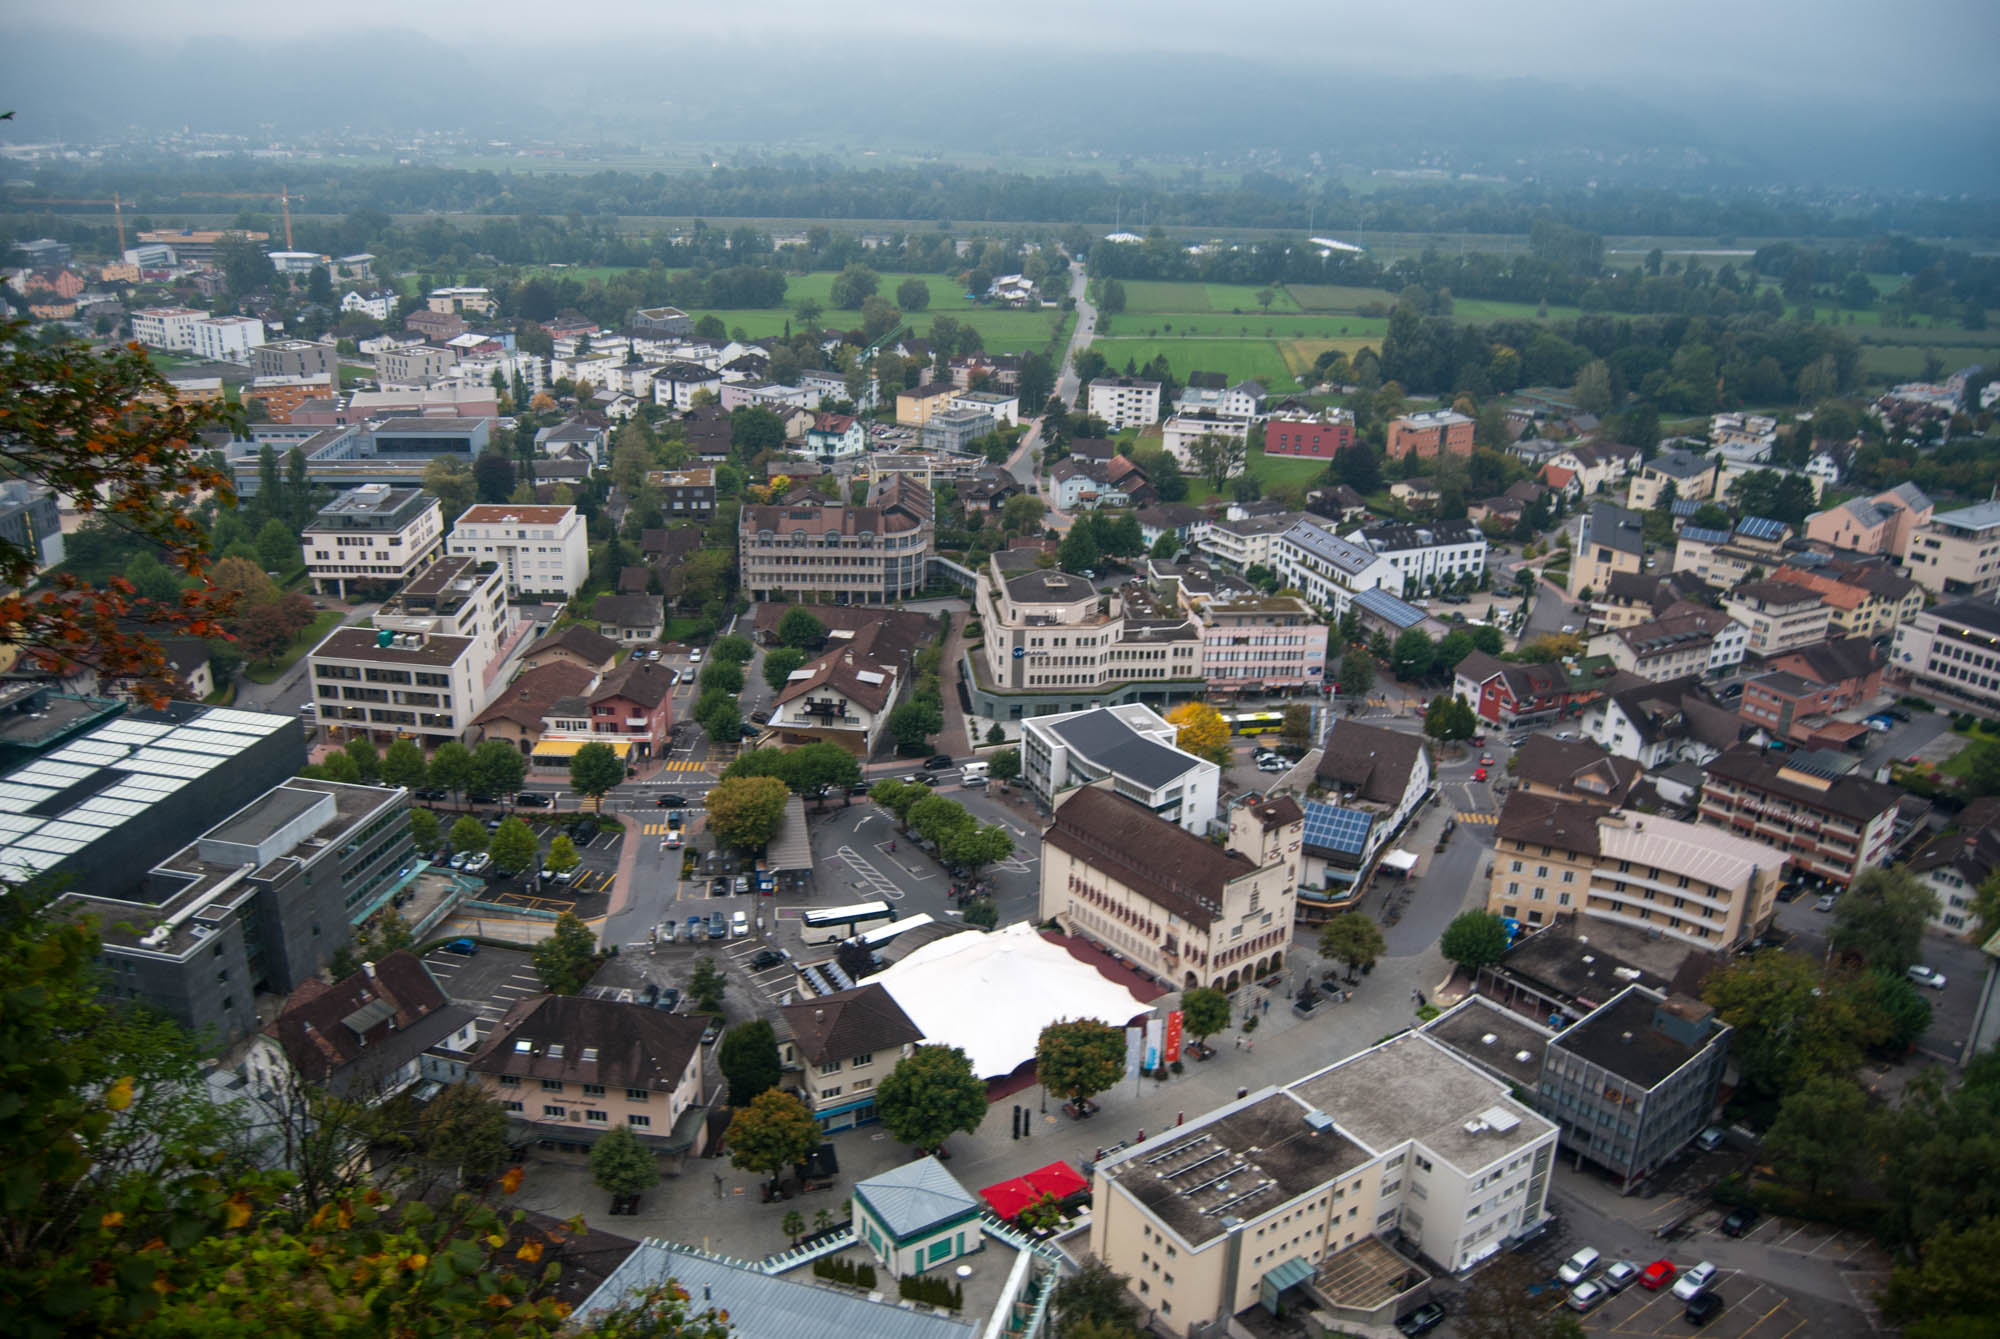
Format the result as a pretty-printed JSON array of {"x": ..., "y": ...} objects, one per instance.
[
  {"x": 1214, "y": 457},
  {"x": 1791, "y": 1024},
  {"x": 497, "y": 767},
  {"x": 449, "y": 480},
  {"x": 277, "y": 546},
  {"x": 594, "y": 770},
  {"x": 913, "y": 723},
  {"x": 513, "y": 846},
  {"x": 367, "y": 762},
  {"x": 913, "y": 294},
  {"x": 243, "y": 582},
  {"x": 1354, "y": 940},
  {"x": 1881, "y": 918},
  {"x": 1449, "y": 716},
  {"x": 1021, "y": 514},
  {"x": 779, "y": 664},
  {"x": 722, "y": 676},
  {"x": 1952, "y": 1290},
  {"x": 1204, "y": 1012},
  {"x": 793, "y": 1225},
  {"x": 1079, "y": 1058},
  {"x": 1200, "y": 730},
  {"x": 706, "y": 985},
  {"x": 771, "y": 1132},
  {"x": 1296, "y": 732},
  {"x": 1079, "y": 551},
  {"x": 732, "y": 650},
  {"x": 451, "y": 768},
  {"x": 801, "y": 630},
  {"x": 744, "y": 812},
  {"x": 1413, "y": 655},
  {"x": 403, "y": 765},
  {"x": 931, "y": 1094},
  {"x": 1111, "y": 297},
  {"x": 853, "y": 286},
  {"x": 1357, "y": 672},
  {"x": 1819, "y": 1134},
  {"x": 1005, "y": 764},
  {"x": 720, "y": 717},
  {"x": 424, "y": 829},
  {"x": 105, "y": 431},
  {"x": 1094, "y": 1296},
  {"x": 562, "y": 855},
  {"x": 821, "y": 767},
  {"x": 748, "y": 1055},
  {"x": 568, "y": 957},
  {"x": 465, "y": 1130},
  {"x": 621, "y": 1165},
  {"x": 1473, "y": 940},
  {"x": 974, "y": 846},
  {"x": 468, "y": 834},
  {"x": 261, "y": 631}
]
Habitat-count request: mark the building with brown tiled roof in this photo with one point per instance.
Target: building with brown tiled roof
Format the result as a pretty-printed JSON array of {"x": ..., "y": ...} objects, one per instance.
[
  {"x": 365, "y": 1037},
  {"x": 876, "y": 554},
  {"x": 1779, "y": 616},
  {"x": 567, "y": 1068},
  {"x": 1864, "y": 598},
  {"x": 1826, "y": 822},
  {"x": 1957, "y": 861},
  {"x": 1572, "y": 768},
  {"x": 629, "y": 619},
  {"x": 1656, "y": 724},
  {"x": 845, "y": 694},
  {"x": 517, "y": 714},
  {"x": 1383, "y": 772},
  {"x": 843, "y": 1044},
  {"x": 1188, "y": 911},
  {"x": 576, "y": 643}
]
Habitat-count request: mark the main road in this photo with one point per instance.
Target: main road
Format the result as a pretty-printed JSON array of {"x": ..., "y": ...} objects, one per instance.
[{"x": 1021, "y": 464}]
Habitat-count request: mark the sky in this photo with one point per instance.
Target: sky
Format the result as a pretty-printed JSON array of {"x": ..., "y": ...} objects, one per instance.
[{"x": 1907, "y": 52}]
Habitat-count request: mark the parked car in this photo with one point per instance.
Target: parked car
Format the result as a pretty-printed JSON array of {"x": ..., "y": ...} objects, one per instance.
[
  {"x": 760, "y": 718},
  {"x": 694, "y": 656},
  {"x": 1657, "y": 1275},
  {"x": 460, "y": 859},
  {"x": 739, "y": 925},
  {"x": 674, "y": 839},
  {"x": 1712, "y": 1138},
  {"x": 569, "y": 875},
  {"x": 1703, "y": 1308},
  {"x": 1580, "y": 1266},
  {"x": 534, "y": 799},
  {"x": 1585, "y": 1296},
  {"x": 479, "y": 863},
  {"x": 1618, "y": 1276},
  {"x": 718, "y": 888},
  {"x": 742, "y": 886},
  {"x": 938, "y": 762},
  {"x": 1824, "y": 902},
  {"x": 767, "y": 959},
  {"x": 973, "y": 783},
  {"x": 718, "y": 928},
  {"x": 710, "y": 1033},
  {"x": 428, "y": 793},
  {"x": 669, "y": 997},
  {"x": 1423, "y": 1320},
  {"x": 1926, "y": 976},
  {"x": 1694, "y": 1282},
  {"x": 466, "y": 946},
  {"x": 1738, "y": 1222},
  {"x": 669, "y": 931},
  {"x": 694, "y": 929}
]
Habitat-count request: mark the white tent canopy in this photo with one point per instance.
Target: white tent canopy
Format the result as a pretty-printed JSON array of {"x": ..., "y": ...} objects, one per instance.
[
  {"x": 991, "y": 995},
  {"x": 1400, "y": 861}
]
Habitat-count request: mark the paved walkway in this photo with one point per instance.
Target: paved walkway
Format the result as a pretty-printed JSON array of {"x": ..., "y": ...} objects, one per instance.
[{"x": 953, "y": 739}]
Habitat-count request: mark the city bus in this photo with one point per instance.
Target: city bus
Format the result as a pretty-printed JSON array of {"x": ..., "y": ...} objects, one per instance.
[
  {"x": 830, "y": 925},
  {"x": 1255, "y": 722},
  {"x": 882, "y": 934}
]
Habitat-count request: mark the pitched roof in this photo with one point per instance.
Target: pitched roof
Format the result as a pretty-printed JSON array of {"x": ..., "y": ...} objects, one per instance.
[
  {"x": 629, "y": 611},
  {"x": 1162, "y": 862},
  {"x": 1849, "y": 796},
  {"x": 1549, "y": 820},
  {"x": 1375, "y": 764},
  {"x": 915, "y": 1196},
  {"x": 644, "y": 682},
  {"x": 1834, "y": 661},
  {"x": 853, "y": 667},
  {"x": 578, "y": 1039},
  {"x": 367, "y": 1024},
  {"x": 528, "y": 699},
  {"x": 1575, "y": 766},
  {"x": 848, "y": 1023},
  {"x": 579, "y": 639}
]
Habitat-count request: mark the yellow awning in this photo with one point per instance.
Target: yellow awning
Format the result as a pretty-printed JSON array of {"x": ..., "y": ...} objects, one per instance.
[{"x": 566, "y": 748}]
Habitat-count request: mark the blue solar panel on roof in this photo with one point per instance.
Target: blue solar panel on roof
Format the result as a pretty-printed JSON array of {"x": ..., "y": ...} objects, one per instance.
[
  {"x": 1332, "y": 828},
  {"x": 1702, "y": 535},
  {"x": 1760, "y": 527},
  {"x": 1686, "y": 506},
  {"x": 1385, "y": 605}
]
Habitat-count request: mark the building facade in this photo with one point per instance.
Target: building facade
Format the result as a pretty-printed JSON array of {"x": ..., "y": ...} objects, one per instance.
[
  {"x": 372, "y": 535},
  {"x": 1130, "y": 747},
  {"x": 1952, "y": 655},
  {"x": 1958, "y": 553},
  {"x": 541, "y": 551},
  {"x": 1606, "y": 541},
  {"x": 844, "y": 555},
  {"x": 1124, "y": 402},
  {"x": 1827, "y": 823},
  {"x": 843, "y": 1045},
  {"x": 1777, "y": 616},
  {"x": 1318, "y": 436},
  {"x": 1328, "y": 570},
  {"x": 1440, "y": 432}
]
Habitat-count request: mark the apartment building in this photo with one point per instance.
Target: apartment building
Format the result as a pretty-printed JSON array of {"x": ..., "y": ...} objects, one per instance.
[
  {"x": 845, "y": 694},
  {"x": 1827, "y": 822},
  {"x": 415, "y": 364},
  {"x": 1180, "y": 433},
  {"x": 1511, "y": 695},
  {"x": 1798, "y": 699},
  {"x": 198, "y": 245},
  {"x": 1439, "y": 555},
  {"x": 1869, "y": 598},
  {"x": 915, "y": 406},
  {"x": 955, "y": 430},
  {"x": 31, "y": 521},
  {"x": 843, "y": 1045},
  {"x": 1605, "y": 542},
  {"x": 1956, "y": 862},
  {"x": 1318, "y": 436},
  {"x": 1557, "y": 856},
  {"x": 366, "y": 1037},
  {"x": 1211, "y": 392},
  {"x": 1726, "y": 558},
  {"x": 876, "y": 554},
  {"x": 458, "y": 301},
  {"x": 1004, "y": 410},
  {"x": 169, "y": 328},
  {"x": 1260, "y": 643},
  {"x": 1241, "y": 541},
  {"x": 1329, "y": 570},
  {"x": 1687, "y": 639},
  {"x": 836, "y": 436},
  {"x": 1958, "y": 553},
  {"x": 1951, "y": 654},
  {"x": 567, "y": 1068},
  {"x": 1294, "y": 1194},
  {"x": 1179, "y": 907},
  {"x": 299, "y": 359},
  {"x": 1124, "y": 402},
  {"x": 1054, "y": 643},
  {"x": 1882, "y": 524},
  {"x": 1679, "y": 474},
  {"x": 1132, "y": 748},
  {"x": 1658, "y": 724},
  {"x": 1439, "y": 432},
  {"x": 687, "y": 494},
  {"x": 373, "y": 535},
  {"x": 1777, "y": 616},
  {"x": 541, "y": 551},
  {"x": 227, "y": 339}
]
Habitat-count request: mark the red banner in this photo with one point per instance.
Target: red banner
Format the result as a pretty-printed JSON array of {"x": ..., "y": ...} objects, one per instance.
[{"x": 1173, "y": 1051}]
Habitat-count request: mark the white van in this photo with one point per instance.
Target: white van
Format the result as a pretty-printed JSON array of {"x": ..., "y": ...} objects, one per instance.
[{"x": 974, "y": 769}]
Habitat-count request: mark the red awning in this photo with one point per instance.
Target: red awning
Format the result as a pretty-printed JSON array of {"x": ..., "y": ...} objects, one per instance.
[
  {"x": 1010, "y": 1197},
  {"x": 1058, "y": 1179}
]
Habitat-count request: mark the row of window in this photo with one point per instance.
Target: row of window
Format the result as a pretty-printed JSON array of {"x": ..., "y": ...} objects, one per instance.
[{"x": 587, "y": 1089}]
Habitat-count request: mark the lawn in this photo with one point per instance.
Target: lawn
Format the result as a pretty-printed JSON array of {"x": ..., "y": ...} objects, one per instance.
[
  {"x": 1337, "y": 297},
  {"x": 1166, "y": 297},
  {"x": 304, "y": 642},
  {"x": 1002, "y": 329},
  {"x": 1272, "y": 471},
  {"x": 947, "y": 293},
  {"x": 1235, "y": 359},
  {"x": 1250, "y": 325},
  {"x": 1905, "y": 362}
]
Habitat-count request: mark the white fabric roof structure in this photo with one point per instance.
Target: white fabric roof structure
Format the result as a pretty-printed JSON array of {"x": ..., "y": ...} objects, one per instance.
[
  {"x": 1404, "y": 861},
  {"x": 991, "y": 995}
]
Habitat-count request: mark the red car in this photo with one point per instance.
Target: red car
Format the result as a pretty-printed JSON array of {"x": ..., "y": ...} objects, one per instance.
[
  {"x": 1479, "y": 775},
  {"x": 1657, "y": 1275}
]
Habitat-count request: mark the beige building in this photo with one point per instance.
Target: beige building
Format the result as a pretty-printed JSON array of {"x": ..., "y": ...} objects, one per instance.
[
  {"x": 415, "y": 365},
  {"x": 1556, "y": 856},
  {"x": 1952, "y": 654},
  {"x": 1297, "y": 1191},
  {"x": 843, "y": 1045},
  {"x": 1726, "y": 558},
  {"x": 1180, "y": 907},
  {"x": 1687, "y": 639},
  {"x": 1777, "y": 616},
  {"x": 877, "y": 554},
  {"x": 1958, "y": 553},
  {"x": 1881, "y": 524},
  {"x": 542, "y": 551},
  {"x": 1124, "y": 402},
  {"x": 1863, "y": 599},
  {"x": 1605, "y": 541},
  {"x": 1052, "y": 634},
  {"x": 372, "y": 535},
  {"x": 915, "y": 406},
  {"x": 461, "y": 300},
  {"x": 1692, "y": 477},
  {"x": 568, "y": 1067}
]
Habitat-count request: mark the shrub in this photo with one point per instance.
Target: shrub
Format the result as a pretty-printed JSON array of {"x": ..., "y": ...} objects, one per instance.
[
  {"x": 1250, "y": 1023},
  {"x": 931, "y": 1291}
]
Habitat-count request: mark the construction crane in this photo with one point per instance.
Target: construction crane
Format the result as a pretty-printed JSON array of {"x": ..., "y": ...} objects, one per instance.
[
  {"x": 283, "y": 195},
  {"x": 117, "y": 210}
]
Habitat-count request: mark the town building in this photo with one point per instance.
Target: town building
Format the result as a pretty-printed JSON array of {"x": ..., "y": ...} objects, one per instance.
[
  {"x": 1749, "y": 552},
  {"x": 192, "y": 246},
  {"x": 1181, "y": 433},
  {"x": 1123, "y": 402},
  {"x": 541, "y": 551},
  {"x": 1438, "y": 432},
  {"x": 520, "y": 714},
  {"x": 1328, "y": 570},
  {"x": 1677, "y": 474},
  {"x": 630, "y": 620},
  {"x": 1687, "y": 639},
  {"x": 1088, "y": 485},
  {"x": 1315, "y": 436},
  {"x": 1513, "y": 695},
  {"x": 1778, "y": 616},
  {"x": 687, "y": 494},
  {"x": 915, "y": 406},
  {"x": 843, "y": 1045},
  {"x": 1864, "y": 598},
  {"x": 1211, "y": 392},
  {"x": 1133, "y": 749},
  {"x": 1384, "y": 773},
  {"x": 1254, "y": 643},
  {"x": 1179, "y": 907},
  {"x": 303, "y": 359},
  {"x": 1576, "y": 769},
  {"x": 1004, "y": 410},
  {"x": 227, "y": 339},
  {"x": 1556, "y": 856},
  {"x": 917, "y": 1217},
  {"x": 414, "y": 364},
  {"x": 1951, "y": 654},
  {"x": 845, "y": 694},
  {"x": 663, "y": 321},
  {"x": 835, "y": 436},
  {"x": 364, "y": 1038},
  {"x": 1299, "y": 1195},
  {"x": 1802, "y": 693},
  {"x": 873, "y": 554},
  {"x": 567, "y": 1068},
  {"x": 169, "y": 328},
  {"x": 371, "y": 302},
  {"x": 458, "y": 301},
  {"x": 1605, "y": 542},
  {"x": 1186, "y": 524},
  {"x": 1882, "y": 524},
  {"x": 1828, "y": 822},
  {"x": 1438, "y": 555},
  {"x": 629, "y": 708},
  {"x": 1957, "y": 862},
  {"x": 373, "y": 535},
  {"x": 576, "y": 644},
  {"x": 1957, "y": 553},
  {"x": 1658, "y": 724},
  {"x": 31, "y": 521},
  {"x": 1244, "y": 538},
  {"x": 955, "y": 430}
]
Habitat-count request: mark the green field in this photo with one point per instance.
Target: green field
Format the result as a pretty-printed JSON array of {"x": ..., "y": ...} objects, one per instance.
[
  {"x": 1165, "y": 297},
  {"x": 1337, "y": 297},
  {"x": 1277, "y": 325},
  {"x": 1235, "y": 359},
  {"x": 1273, "y": 471},
  {"x": 947, "y": 293},
  {"x": 1890, "y": 363}
]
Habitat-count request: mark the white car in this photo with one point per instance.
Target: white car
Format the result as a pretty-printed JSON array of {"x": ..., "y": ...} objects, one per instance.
[
  {"x": 1585, "y": 1296},
  {"x": 1619, "y": 1275},
  {"x": 739, "y": 925},
  {"x": 1694, "y": 1282},
  {"x": 1927, "y": 976},
  {"x": 479, "y": 864},
  {"x": 694, "y": 656},
  {"x": 1580, "y": 1266}
]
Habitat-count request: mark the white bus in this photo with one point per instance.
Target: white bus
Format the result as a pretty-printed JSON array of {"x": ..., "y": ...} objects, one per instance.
[
  {"x": 830, "y": 925},
  {"x": 882, "y": 934}
]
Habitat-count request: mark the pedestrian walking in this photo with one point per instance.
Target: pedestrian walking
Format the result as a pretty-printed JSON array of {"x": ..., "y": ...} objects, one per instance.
[
  {"x": 1141, "y": 1139},
  {"x": 1250, "y": 1045}
]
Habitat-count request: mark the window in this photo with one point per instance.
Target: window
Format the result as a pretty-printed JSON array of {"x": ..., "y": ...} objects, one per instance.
[
  {"x": 640, "y": 1121},
  {"x": 511, "y": 1106},
  {"x": 552, "y": 1085},
  {"x": 593, "y": 1090},
  {"x": 865, "y": 1058},
  {"x": 510, "y": 1080},
  {"x": 552, "y": 1112},
  {"x": 830, "y": 1067},
  {"x": 597, "y": 1117}
]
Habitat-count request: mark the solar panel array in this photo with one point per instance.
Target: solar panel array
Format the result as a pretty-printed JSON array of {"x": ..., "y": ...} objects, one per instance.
[
  {"x": 153, "y": 759},
  {"x": 1703, "y": 535},
  {"x": 1384, "y": 605},
  {"x": 1332, "y": 828},
  {"x": 1760, "y": 527}
]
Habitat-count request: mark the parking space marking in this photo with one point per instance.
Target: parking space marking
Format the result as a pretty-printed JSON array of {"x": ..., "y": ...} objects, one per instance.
[{"x": 868, "y": 874}]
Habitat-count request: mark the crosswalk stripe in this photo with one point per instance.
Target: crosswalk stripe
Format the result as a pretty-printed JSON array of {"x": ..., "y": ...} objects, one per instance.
[
  {"x": 1468, "y": 816},
  {"x": 684, "y": 765}
]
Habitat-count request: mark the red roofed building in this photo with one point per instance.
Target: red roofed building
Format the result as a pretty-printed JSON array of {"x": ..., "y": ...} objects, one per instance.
[{"x": 365, "y": 1037}]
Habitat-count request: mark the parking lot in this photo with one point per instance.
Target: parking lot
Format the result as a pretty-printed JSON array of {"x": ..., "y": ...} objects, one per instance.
[
  {"x": 587, "y": 893},
  {"x": 489, "y": 982},
  {"x": 1751, "y": 1310}
]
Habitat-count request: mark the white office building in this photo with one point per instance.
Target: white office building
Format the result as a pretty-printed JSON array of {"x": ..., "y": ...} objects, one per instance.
[
  {"x": 541, "y": 551},
  {"x": 1132, "y": 745}
]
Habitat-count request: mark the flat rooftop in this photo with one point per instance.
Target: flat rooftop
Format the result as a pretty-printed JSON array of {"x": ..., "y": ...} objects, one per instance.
[
  {"x": 1494, "y": 1037},
  {"x": 1595, "y": 959},
  {"x": 1621, "y": 1037}
]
